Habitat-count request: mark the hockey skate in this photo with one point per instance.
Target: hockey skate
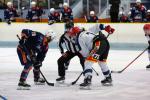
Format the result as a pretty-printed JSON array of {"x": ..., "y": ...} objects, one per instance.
[
  {"x": 23, "y": 86},
  {"x": 107, "y": 81},
  {"x": 60, "y": 80},
  {"x": 148, "y": 66},
  {"x": 39, "y": 81},
  {"x": 86, "y": 85}
]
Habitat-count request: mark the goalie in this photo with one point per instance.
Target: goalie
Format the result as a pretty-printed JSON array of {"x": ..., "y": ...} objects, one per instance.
[{"x": 31, "y": 51}]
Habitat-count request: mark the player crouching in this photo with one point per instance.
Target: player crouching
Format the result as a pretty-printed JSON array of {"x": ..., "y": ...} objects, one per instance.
[
  {"x": 94, "y": 48},
  {"x": 31, "y": 51}
]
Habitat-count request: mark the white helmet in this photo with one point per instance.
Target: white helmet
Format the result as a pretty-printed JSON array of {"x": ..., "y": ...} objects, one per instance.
[
  {"x": 65, "y": 4},
  {"x": 9, "y": 3},
  {"x": 138, "y": 1},
  {"x": 129, "y": 13},
  {"x": 51, "y": 34},
  {"x": 33, "y": 3},
  {"x": 148, "y": 11},
  {"x": 92, "y": 12},
  {"x": 52, "y": 10}
]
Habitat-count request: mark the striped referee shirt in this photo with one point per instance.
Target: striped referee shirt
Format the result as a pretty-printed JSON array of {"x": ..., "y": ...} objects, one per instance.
[{"x": 70, "y": 44}]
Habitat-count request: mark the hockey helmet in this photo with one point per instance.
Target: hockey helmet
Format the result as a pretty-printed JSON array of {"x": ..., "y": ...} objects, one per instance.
[
  {"x": 26, "y": 32},
  {"x": 74, "y": 31},
  {"x": 33, "y": 4},
  {"x": 65, "y": 4},
  {"x": 50, "y": 34},
  {"x": 138, "y": 1},
  {"x": 92, "y": 12},
  {"x": 148, "y": 11},
  {"x": 146, "y": 28},
  {"x": 52, "y": 10},
  {"x": 9, "y": 4}
]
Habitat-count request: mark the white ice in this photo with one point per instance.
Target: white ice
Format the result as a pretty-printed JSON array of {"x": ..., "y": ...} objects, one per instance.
[{"x": 132, "y": 84}]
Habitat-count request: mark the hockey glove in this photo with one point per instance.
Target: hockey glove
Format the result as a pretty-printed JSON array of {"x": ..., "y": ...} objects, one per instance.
[{"x": 109, "y": 30}]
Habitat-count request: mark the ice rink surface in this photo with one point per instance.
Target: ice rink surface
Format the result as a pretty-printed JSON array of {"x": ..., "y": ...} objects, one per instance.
[{"x": 132, "y": 84}]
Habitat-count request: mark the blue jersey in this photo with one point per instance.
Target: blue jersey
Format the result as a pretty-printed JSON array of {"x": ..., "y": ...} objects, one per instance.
[
  {"x": 34, "y": 14},
  {"x": 10, "y": 13},
  {"x": 92, "y": 19},
  {"x": 54, "y": 17},
  {"x": 66, "y": 13},
  {"x": 138, "y": 13},
  {"x": 35, "y": 42}
]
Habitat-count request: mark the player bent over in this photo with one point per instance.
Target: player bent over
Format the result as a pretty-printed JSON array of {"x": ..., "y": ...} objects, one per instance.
[
  {"x": 146, "y": 29},
  {"x": 94, "y": 48},
  {"x": 32, "y": 50}
]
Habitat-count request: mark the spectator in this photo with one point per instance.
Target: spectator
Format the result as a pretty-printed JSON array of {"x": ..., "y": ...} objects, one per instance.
[
  {"x": 53, "y": 16},
  {"x": 92, "y": 17},
  {"x": 123, "y": 17},
  {"x": 10, "y": 13},
  {"x": 66, "y": 13},
  {"x": 34, "y": 13},
  {"x": 148, "y": 16},
  {"x": 138, "y": 12}
]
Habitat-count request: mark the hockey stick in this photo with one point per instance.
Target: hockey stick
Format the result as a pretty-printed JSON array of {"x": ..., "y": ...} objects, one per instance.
[
  {"x": 129, "y": 63},
  {"x": 74, "y": 82},
  {"x": 48, "y": 83}
]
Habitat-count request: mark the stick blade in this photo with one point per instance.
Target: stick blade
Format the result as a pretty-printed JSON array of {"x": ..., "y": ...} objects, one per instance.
[
  {"x": 116, "y": 72},
  {"x": 50, "y": 84}
]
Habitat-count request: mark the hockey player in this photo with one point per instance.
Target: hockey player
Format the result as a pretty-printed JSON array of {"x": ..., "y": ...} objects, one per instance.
[
  {"x": 94, "y": 48},
  {"x": 53, "y": 16},
  {"x": 66, "y": 13},
  {"x": 148, "y": 16},
  {"x": 123, "y": 17},
  {"x": 32, "y": 50},
  {"x": 138, "y": 12},
  {"x": 92, "y": 18},
  {"x": 146, "y": 29},
  {"x": 10, "y": 13},
  {"x": 34, "y": 13}
]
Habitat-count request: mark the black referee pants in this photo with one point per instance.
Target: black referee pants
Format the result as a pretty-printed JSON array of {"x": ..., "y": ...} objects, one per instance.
[{"x": 64, "y": 59}]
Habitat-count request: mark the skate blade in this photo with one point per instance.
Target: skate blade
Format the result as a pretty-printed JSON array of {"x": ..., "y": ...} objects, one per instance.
[
  {"x": 60, "y": 82},
  {"x": 85, "y": 87},
  {"x": 148, "y": 69},
  {"x": 23, "y": 88},
  {"x": 107, "y": 84},
  {"x": 39, "y": 83}
]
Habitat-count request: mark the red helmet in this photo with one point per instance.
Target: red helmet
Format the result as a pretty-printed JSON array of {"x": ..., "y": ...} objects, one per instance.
[
  {"x": 73, "y": 31},
  {"x": 146, "y": 27}
]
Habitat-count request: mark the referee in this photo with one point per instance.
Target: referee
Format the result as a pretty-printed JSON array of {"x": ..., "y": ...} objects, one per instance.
[{"x": 72, "y": 51}]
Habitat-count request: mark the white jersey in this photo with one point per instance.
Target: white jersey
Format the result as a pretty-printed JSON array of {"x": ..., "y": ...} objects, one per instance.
[
  {"x": 148, "y": 37},
  {"x": 94, "y": 29},
  {"x": 85, "y": 40}
]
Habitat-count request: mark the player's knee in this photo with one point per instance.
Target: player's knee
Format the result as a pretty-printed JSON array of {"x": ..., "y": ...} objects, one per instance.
[{"x": 60, "y": 61}]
